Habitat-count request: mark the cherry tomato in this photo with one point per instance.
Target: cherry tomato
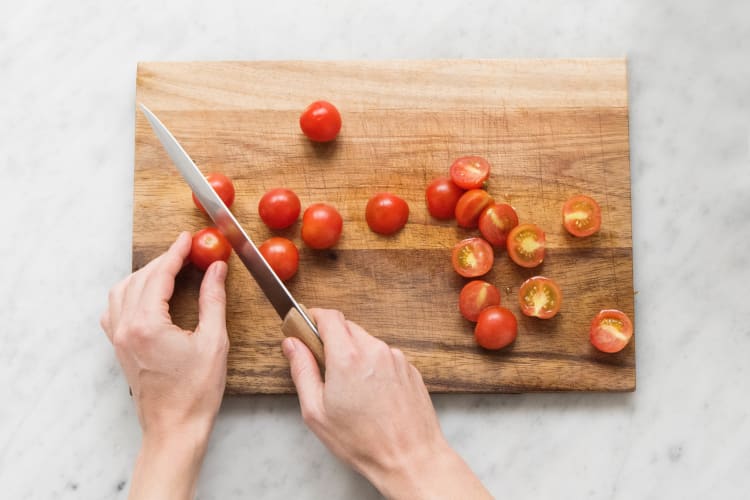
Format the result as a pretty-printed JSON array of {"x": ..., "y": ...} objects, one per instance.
[
  {"x": 223, "y": 187},
  {"x": 209, "y": 245},
  {"x": 470, "y": 172},
  {"x": 540, "y": 297},
  {"x": 496, "y": 222},
  {"x": 611, "y": 330},
  {"x": 321, "y": 226},
  {"x": 320, "y": 121},
  {"x": 279, "y": 208},
  {"x": 472, "y": 257},
  {"x": 476, "y": 296},
  {"x": 496, "y": 328},
  {"x": 582, "y": 216},
  {"x": 526, "y": 245},
  {"x": 386, "y": 213},
  {"x": 470, "y": 207},
  {"x": 281, "y": 255},
  {"x": 442, "y": 197}
]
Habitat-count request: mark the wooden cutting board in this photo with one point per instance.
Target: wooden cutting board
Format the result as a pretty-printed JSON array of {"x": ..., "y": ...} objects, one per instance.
[{"x": 550, "y": 129}]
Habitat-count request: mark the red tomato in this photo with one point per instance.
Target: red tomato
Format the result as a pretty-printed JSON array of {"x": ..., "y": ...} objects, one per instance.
[
  {"x": 209, "y": 245},
  {"x": 470, "y": 172},
  {"x": 496, "y": 328},
  {"x": 442, "y": 197},
  {"x": 496, "y": 222},
  {"x": 476, "y": 296},
  {"x": 281, "y": 255},
  {"x": 386, "y": 213},
  {"x": 526, "y": 245},
  {"x": 472, "y": 257},
  {"x": 223, "y": 187},
  {"x": 611, "y": 330},
  {"x": 320, "y": 121},
  {"x": 321, "y": 226},
  {"x": 540, "y": 297},
  {"x": 279, "y": 208},
  {"x": 582, "y": 216},
  {"x": 470, "y": 207}
]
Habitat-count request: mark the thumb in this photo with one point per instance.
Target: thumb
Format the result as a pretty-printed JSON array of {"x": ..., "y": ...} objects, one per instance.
[
  {"x": 212, "y": 302},
  {"x": 306, "y": 377}
]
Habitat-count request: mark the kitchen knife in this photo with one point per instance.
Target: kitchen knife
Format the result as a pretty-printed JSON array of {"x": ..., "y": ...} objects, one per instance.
[{"x": 296, "y": 321}]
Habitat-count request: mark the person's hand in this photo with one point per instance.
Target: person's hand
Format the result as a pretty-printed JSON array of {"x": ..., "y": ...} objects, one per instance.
[
  {"x": 374, "y": 412},
  {"x": 177, "y": 377}
]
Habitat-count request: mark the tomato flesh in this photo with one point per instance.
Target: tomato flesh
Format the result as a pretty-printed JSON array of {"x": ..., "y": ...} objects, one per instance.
[
  {"x": 442, "y": 196},
  {"x": 208, "y": 246},
  {"x": 582, "y": 216},
  {"x": 525, "y": 245},
  {"x": 470, "y": 172},
  {"x": 279, "y": 208},
  {"x": 321, "y": 226},
  {"x": 476, "y": 296},
  {"x": 611, "y": 330},
  {"x": 282, "y": 255},
  {"x": 386, "y": 213},
  {"x": 540, "y": 297},
  {"x": 496, "y": 222},
  {"x": 472, "y": 257},
  {"x": 320, "y": 121},
  {"x": 496, "y": 328},
  {"x": 470, "y": 206},
  {"x": 223, "y": 187}
]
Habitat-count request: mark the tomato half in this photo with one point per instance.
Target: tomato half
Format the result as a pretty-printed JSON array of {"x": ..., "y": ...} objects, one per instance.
[
  {"x": 540, "y": 297},
  {"x": 320, "y": 121},
  {"x": 208, "y": 246},
  {"x": 279, "y": 208},
  {"x": 282, "y": 255},
  {"x": 582, "y": 216},
  {"x": 496, "y": 328},
  {"x": 223, "y": 187},
  {"x": 496, "y": 222},
  {"x": 526, "y": 245},
  {"x": 475, "y": 297},
  {"x": 470, "y": 207},
  {"x": 611, "y": 330},
  {"x": 470, "y": 172},
  {"x": 442, "y": 196},
  {"x": 472, "y": 257},
  {"x": 321, "y": 226},
  {"x": 386, "y": 213}
]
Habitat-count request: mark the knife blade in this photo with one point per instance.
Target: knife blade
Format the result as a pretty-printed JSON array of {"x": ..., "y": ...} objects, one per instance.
[{"x": 296, "y": 320}]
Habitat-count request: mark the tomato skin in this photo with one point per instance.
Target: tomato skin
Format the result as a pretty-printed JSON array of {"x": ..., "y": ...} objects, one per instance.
[
  {"x": 279, "y": 208},
  {"x": 282, "y": 255},
  {"x": 475, "y": 297},
  {"x": 442, "y": 196},
  {"x": 581, "y": 216},
  {"x": 496, "y": 221},
  {"x": 611, "y": 330},
  {"x": 470, "y": 172},
  {"x": 496, "y": 328},
  {"x": 472, "y": 257},
  {"x": 208, "y": 246},
  {"x": 540, "y": 297},
  {"x": 470, "y": 207},
  {"x": 525, "y": 245},
  {"x": 386, "y": 213},
  {"x": 320, "y": 121},
  {"x": 223, "y": 187},
  {"x": 321, "y": 226}
]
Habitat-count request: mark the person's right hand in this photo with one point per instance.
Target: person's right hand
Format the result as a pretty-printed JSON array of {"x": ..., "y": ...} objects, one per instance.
[{"x": 374, "y": 412}]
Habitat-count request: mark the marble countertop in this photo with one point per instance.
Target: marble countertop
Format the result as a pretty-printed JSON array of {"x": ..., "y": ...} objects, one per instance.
[{"x": 67, "y": 72}]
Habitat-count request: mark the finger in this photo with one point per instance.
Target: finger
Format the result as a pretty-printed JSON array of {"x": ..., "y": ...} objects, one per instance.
[
  {"x": 212, "y": 302},
  {"x": 104, "y": 323},
  {"x": 115, "y": 301},
  {"x": 306, "y": 377},
  {"x": 336, "y": 337},
  {"x": 401, "y": 364},
  {"x": 160, "y": 277}
]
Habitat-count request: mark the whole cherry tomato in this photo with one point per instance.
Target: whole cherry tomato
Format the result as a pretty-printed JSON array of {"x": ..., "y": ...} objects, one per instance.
[{"x": 320, "y": 121}]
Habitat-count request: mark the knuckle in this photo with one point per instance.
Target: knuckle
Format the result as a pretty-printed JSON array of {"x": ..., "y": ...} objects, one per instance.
[{"x": 312, "y": 416}]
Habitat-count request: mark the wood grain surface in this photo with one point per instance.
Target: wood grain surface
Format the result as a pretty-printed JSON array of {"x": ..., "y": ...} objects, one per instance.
[{"x": 550, "y": 129}]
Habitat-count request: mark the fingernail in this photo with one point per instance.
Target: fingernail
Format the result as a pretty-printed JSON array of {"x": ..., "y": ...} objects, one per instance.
[
  {"x": 220, "y": 270},
  {"x": 288, "y": 346}
]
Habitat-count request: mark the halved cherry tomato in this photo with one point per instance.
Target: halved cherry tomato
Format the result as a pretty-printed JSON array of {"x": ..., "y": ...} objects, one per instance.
[
  {"x": 496, "y": 222},
  {"x": 611, "y": 330},
  {"x": 320, "y": 121},
  {"x": 540, "y": 297},
  {"x": 282, "y": 255},
  {"x": 470, "y": 172},
  {"x": 321, "y": 226},
  {"x": 475, "y": 297},
  {"x": 470, "y": 207},
  {"x": 472, "y": 257},
  {"x": 526, "y": 245},
  {"x": 279, "y": 208},
  {"x": 223, "y": 187},
  {"x": 496, "y": 328},
  {"x": 442, "y": 197},
  {"x": 582, "y": 216},
  {"x": 209, "y": 245},
  {"x": 386, "y": 213}
]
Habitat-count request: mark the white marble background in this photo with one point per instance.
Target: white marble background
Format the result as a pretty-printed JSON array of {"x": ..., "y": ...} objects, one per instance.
[{"x": 67, "y": 69}]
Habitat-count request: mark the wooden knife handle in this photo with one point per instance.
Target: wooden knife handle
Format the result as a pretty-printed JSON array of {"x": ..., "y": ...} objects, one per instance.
[{"x": 294, "y": 325}]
